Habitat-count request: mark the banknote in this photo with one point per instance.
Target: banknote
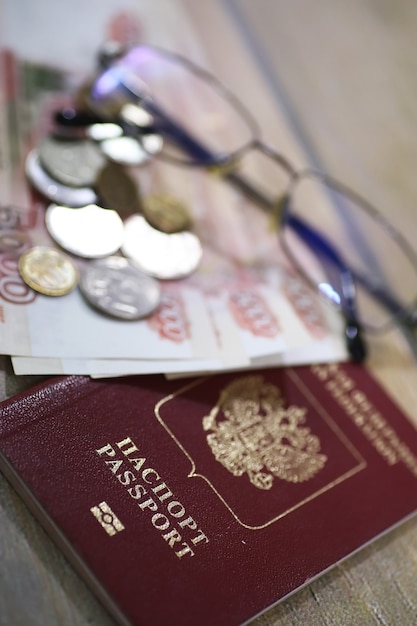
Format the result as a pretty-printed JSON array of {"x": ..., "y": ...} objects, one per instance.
[
  {"x": 255, "y": 314},
  {"x": 118, "y": 367},
  {"x": 245, "y": 292},
  {"x": 321, "y": 330},
  {"x": 324, "y": 350},
  {"x": 269, "y": 306},
  {"x": 37, "y": 325},
  {"x": 229, "y": 313},
  {"x": 243, "y": 305}
]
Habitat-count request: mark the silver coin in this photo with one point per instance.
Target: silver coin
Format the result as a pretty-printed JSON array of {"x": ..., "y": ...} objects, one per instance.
[
  {"x": 117, "y": 287},
  {"x": 152, "y": 144},
  {"x": 72, "y": 162},
  {"x": 125, "y": 151},
  {"x": 104, "y": 130},
  {"x": 51, "y": 189},
  {"x": 136, "y": 115},
  {"x": 162, "y": 255},
  {"x": 9, "y": 218},
  {"x": 90, "y": 231}
]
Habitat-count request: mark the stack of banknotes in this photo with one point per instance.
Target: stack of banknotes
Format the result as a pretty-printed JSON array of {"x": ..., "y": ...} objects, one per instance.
[
  {"x": 217, "y": 294},
  {"x": 231, "y": 312}
]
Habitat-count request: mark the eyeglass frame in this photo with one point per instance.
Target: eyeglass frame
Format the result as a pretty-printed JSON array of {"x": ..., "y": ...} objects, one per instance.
[{"x": 226, "y": 167}]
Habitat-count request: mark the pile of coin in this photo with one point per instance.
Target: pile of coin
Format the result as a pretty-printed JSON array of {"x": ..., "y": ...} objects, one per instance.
[{"x": 95, "y": 212}]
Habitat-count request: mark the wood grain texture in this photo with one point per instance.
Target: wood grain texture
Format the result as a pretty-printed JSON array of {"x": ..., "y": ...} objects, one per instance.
[{"x": 347, "y": 71}]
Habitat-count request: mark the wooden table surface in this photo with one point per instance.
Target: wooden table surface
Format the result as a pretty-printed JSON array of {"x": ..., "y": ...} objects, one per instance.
[{"x": 345, "y": 75}]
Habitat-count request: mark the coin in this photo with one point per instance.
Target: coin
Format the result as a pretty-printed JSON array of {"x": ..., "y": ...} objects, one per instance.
[
  {"x": 51, "y": 189},
  {"x": 107, "y": 107},
  {"x": 117, "y": 190},
  {"x": 162, "y": 255},
  {"x": 72, "y": 124},
  {"x": 166, "y": 213},
  {"x": 89, "y": 231},
  {"x": 136, "y": 115},
  {"x": 48, "y": 271},
  {"x": 100, "y": 131},
  {"x": 138, "y": 123},
  {"x": 117, "y": 287},
  {"x": 72, "y": 162},
  {"x": 125, "y": 150},
  {"x": 152, "y": 143}
]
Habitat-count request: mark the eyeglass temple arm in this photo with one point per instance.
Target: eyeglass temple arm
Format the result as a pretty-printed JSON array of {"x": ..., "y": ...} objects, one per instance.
[
  {"x": 386, "y": 300},
  {"x": 333, "y": 261}
]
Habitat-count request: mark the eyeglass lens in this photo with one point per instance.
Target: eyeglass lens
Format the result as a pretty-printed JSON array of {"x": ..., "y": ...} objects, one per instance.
[
  {"x": 365, "y": 244},
  {"x": 182, "y": 94},
  {"x": 203, "y": 122}
]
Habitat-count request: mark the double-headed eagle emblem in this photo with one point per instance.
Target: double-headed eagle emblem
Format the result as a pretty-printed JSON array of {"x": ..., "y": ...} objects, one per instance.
[{"x": 250, "y": 431}]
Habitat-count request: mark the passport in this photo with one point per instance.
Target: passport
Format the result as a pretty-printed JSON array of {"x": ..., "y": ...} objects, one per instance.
[{"x": 207, "y": 500}]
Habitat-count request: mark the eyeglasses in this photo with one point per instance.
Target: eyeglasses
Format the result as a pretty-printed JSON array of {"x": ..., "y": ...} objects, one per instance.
[{"x": 340, "y": 244}]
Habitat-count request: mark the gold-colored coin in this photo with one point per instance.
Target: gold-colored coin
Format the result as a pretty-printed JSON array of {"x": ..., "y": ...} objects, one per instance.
[
  {"x": 118, "y": 190},
  {"x": 48, "y": 271},
  {"x": 166, "y": 213}
]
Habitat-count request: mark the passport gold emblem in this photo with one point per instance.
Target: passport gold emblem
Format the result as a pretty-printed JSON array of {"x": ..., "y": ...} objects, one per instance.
[
  {"x": 251, "y": 431},
  {"x": 108, "y": 520}
]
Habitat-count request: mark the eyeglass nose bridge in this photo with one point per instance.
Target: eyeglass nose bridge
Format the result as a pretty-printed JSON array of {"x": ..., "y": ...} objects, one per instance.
[
  {"x": 273, "y": 154},
  {"x": 276, "y": 204}
]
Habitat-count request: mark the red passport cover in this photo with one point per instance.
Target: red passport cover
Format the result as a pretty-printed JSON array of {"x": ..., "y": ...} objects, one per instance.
[{"x": 207, "y": 501}]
